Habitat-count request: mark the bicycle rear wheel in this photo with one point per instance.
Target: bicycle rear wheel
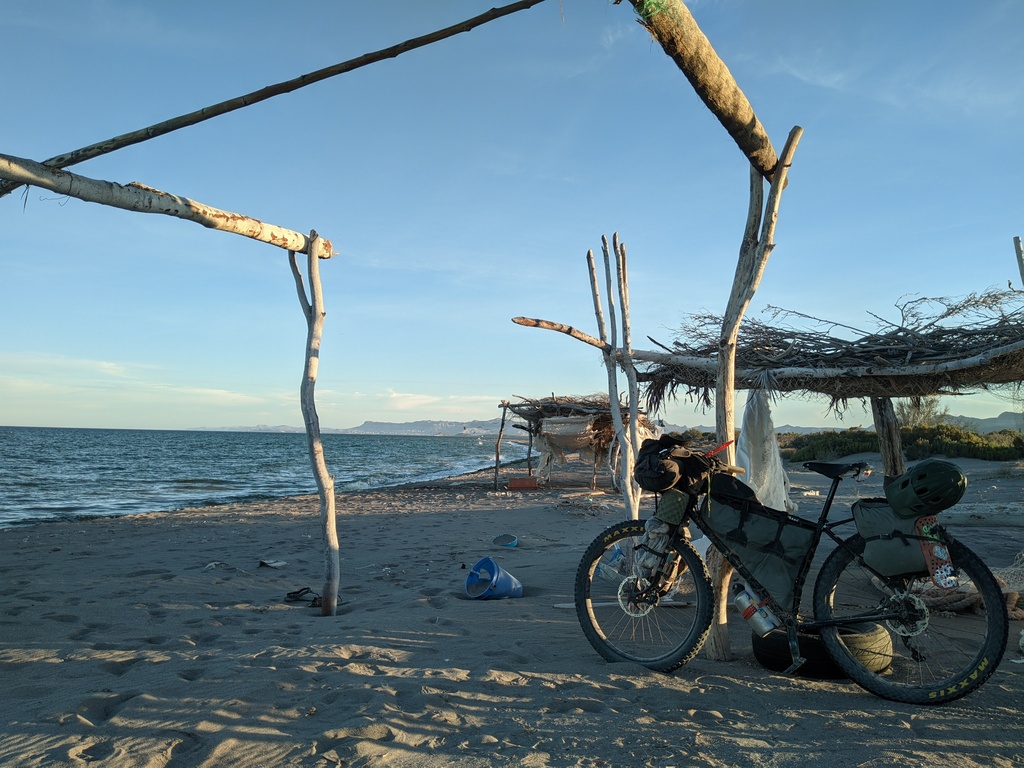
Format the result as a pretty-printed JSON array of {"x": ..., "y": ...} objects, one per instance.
[
  {"x": 938, "y": 650},
  {"x": 661, "y": 627}
]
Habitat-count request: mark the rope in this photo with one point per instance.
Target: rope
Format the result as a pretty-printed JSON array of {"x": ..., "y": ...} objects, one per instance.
[
  {"x": 1011, "y": 579},
  {"x": 1011, "y": 583}
]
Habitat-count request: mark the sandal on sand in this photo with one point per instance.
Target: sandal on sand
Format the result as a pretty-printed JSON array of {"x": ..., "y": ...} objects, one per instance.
[
  {"x": 301, "y": 594},
  {"x": 315, "y": 602}
]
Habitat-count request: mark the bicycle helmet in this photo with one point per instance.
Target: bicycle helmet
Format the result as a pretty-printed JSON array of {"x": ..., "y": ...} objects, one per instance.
[{"x": 930, "y": 487}]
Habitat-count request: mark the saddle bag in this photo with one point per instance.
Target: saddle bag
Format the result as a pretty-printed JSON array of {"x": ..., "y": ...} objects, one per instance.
[
  {"x": 770, "y": 544},
  {"x": 892, "y": 545}
]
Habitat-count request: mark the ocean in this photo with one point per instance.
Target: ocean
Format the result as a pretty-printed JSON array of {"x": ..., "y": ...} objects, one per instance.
[{"x": 60, "y": 474}]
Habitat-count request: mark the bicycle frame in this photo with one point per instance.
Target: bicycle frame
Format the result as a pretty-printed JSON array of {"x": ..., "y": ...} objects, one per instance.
[{"x": 820, "y": 527}]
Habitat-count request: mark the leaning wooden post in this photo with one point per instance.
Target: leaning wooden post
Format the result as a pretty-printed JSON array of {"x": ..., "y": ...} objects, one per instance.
[
  {"x": 673, "y": 26},
  {"x": 754, "y": 253},
  {"x": 139, "y": 197},
  {"x": 628, "y": 444},
  {"x": 313, "y": 309},
  {"x": 890, "y": 445},
  {"x": 717, "y": 646}
]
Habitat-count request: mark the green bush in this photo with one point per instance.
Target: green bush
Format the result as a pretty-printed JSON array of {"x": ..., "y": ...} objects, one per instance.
[
  {"x": 826, "y": 446},
  {"x": 918, "y": 443}
]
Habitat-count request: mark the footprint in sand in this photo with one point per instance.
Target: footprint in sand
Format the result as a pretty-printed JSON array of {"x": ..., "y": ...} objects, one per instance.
[
  {"x": 92, "y": 751},
  {"x": 118, "y": 668},
  {"x": 579, "y": 706},
  {"x": 98, "y": 709},
  {"x": 191, "y": 675}
]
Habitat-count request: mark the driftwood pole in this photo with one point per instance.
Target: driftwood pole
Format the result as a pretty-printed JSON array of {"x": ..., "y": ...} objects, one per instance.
[
  {"x": 672, "y": 25},
  {"x": 628, "y": 444},
  {"x": 313, "y": 310},
  {"x": 1019, "y": 250},
  {"x": 890, "y": 445},
  {"x": 755, "y": 249},
  {"x": 497, "y": 444},
  {"x": 138, "y": 197},
  {"x": 754, "y": 253},
  {"x": 614, "y": 355}
]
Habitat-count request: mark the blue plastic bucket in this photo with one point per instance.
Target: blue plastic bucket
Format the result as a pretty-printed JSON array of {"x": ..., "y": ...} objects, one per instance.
[{"x": 487, "y": 581}]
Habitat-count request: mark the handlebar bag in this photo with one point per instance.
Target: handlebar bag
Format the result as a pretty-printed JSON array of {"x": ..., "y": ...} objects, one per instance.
[{"x": 665, "y": 463}]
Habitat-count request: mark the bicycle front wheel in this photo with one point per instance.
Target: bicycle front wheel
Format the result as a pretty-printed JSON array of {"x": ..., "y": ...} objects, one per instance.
[
  {"x": 625, "y": 618},
  {"x": 941, "y": 645}
]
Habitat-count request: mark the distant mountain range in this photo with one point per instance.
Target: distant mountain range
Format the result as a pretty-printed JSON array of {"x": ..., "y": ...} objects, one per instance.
[{"x": 1005, "y": 420}]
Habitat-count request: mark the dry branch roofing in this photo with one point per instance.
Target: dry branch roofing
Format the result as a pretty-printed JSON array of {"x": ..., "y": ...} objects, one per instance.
[
  {"x": 940, "y": 346},
  {"x": 535, "y": 411}
]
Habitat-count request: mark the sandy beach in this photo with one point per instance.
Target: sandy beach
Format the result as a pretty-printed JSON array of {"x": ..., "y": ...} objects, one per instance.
[{"x": 161, "y": 640}]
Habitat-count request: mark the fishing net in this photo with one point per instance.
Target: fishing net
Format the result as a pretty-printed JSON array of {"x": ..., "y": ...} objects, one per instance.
[
  {"x": 966, "y": 598},
  {"x": 1011, "y": 579}
]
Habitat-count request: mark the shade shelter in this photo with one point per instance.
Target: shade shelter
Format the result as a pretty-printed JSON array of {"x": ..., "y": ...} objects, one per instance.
[
  {"x": 569, "y": 424},
  {"x": 939, "y": 346}
]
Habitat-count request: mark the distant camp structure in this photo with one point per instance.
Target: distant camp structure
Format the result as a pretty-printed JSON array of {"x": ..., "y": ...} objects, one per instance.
[{"x": 560, "y": 427}]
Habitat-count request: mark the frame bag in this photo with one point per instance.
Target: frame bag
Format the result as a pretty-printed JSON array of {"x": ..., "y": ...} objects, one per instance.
[{"x": 770, "y": 544}]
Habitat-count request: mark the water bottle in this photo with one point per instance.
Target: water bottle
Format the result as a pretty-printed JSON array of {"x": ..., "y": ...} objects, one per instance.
[{"x": 761, "y": 619}]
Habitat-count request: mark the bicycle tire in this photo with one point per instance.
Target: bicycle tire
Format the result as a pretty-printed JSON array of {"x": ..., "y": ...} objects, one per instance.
[
  {"x": 621, "y": 623},
  {"x": 937, "y": 655}
]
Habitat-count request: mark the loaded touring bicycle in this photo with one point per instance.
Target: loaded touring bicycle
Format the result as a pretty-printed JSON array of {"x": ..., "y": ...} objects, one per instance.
[{"x": 881, "y": 600}]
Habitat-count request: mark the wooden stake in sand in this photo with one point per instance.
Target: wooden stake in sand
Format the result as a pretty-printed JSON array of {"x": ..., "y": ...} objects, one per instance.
[{"x": 313, "y": 310}]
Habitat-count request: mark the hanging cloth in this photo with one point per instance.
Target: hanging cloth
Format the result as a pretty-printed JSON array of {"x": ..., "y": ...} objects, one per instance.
[{"x": 757, "y": 451}]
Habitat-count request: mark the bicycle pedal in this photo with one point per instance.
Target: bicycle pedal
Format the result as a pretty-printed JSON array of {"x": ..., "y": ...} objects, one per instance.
[{"x": 797, "y": 663}]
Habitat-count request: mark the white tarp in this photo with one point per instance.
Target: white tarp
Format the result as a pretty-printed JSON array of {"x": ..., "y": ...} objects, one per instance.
[{"x": 757, "y": 451}]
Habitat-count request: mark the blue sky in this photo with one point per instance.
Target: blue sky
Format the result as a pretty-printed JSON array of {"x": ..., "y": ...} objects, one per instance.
[{"x": 463, "y": 183}]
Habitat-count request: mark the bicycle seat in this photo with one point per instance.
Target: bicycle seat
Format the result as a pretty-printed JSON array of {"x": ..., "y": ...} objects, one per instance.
[{"x": 832, "y": 471}]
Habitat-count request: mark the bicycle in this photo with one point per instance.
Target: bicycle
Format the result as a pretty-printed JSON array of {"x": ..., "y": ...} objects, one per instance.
[{"x": 878, "y": 628}]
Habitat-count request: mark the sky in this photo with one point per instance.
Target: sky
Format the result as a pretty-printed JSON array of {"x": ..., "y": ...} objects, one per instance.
[{"x": 463, "y": 183}]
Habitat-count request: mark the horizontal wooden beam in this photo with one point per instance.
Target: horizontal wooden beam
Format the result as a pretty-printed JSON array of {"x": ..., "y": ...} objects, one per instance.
[{"x": 138, "y": 197}]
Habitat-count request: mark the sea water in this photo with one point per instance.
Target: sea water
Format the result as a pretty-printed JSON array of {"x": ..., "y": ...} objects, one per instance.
[{"x": 55, "y": 474}]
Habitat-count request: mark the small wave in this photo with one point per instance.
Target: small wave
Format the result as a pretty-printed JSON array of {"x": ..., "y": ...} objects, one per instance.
[{"x": 203, "y": 483}]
